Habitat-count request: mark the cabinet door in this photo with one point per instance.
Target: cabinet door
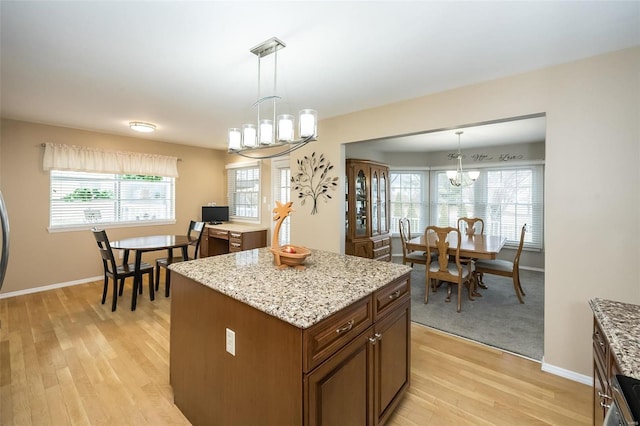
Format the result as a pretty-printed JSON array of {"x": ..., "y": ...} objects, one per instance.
[
  {"x": 375, "y": 202},
  {"x": 339, "y": 391},
  {"x": 361, "y": 200},
  {"x": 599, "y": 390},
  {"x": 384, "y": 220},
  {"x": 392, "y": 360}
]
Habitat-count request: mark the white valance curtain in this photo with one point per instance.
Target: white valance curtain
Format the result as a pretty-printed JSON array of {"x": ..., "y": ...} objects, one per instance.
[{"x": 88, "y": 159}]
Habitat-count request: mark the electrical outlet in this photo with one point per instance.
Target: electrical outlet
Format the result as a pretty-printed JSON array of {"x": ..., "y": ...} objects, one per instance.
[{"x": 231, "y": 342}]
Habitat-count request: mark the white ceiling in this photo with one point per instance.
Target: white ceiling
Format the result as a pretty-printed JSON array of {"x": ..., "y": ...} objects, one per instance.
[{"x": 186, "y": 66}]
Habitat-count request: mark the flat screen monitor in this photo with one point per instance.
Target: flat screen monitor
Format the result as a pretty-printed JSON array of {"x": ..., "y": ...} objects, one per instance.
[{"x": 215, "y": 214}]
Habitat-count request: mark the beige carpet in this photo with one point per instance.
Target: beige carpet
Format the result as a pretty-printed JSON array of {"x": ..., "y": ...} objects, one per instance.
[{"x": 496, "y": 319}]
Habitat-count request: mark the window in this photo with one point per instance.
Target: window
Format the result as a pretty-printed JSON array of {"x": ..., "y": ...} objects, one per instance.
[
  {"x": 81, "y": 200},
  {"x": 282, "y": 192},
  {"x": 409, "y": 198},
  {"x": 505, "y": 198},
  {"x": 244, "y": 192}
]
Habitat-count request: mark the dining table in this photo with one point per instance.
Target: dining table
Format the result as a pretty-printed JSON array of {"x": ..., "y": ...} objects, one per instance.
[
  {"x": 476, "y": 246},
  {"x": 146, "y": 244}
]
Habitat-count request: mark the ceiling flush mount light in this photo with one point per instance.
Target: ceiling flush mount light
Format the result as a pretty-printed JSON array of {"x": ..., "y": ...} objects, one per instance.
[
  {"x": 141, "y": 126},
  {"x": 458, "y": 177},
  {"x": 274, "y": 131}
]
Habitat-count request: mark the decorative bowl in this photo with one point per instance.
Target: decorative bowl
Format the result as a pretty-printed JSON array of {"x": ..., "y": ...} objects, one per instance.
[{"x": 283, "y": 259}]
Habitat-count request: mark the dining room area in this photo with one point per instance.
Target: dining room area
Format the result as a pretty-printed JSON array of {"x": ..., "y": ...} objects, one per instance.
[{"x": 480, "y": 189}]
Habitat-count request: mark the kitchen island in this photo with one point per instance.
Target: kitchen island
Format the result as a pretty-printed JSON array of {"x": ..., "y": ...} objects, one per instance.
[
  {"x": 252, "y": 344},
  {"x": 616, "y": 349}
]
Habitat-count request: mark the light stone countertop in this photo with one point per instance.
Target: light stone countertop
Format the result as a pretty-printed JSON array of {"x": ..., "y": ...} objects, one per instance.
[
  {"x": 621, "y": 324},
  {"x": 237, "y": 227},
  {"x": 329, "y": 283}
]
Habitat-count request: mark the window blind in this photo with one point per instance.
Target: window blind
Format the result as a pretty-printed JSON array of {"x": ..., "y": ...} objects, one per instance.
[
  {"x": 80, "y": 200},
  {"x": 243, "y": 185},
  {"x": 409, "y": 198},
  {"x": 506, "y": 198}
]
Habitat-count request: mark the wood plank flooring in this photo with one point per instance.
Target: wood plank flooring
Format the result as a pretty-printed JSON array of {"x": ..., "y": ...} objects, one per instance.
[{"x": 66, "y": 359}]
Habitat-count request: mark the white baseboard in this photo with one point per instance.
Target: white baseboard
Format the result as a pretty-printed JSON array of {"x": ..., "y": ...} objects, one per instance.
[
  {"x": 50, "y": 287},
  {"x": 567, "y": 374}
]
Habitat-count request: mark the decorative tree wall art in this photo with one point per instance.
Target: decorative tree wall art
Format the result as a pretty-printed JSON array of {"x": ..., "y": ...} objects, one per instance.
[{"x": 313, "y": 180}]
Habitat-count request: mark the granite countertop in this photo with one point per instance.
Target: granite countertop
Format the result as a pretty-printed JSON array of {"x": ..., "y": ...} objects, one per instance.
[
  {"x": 302, "y": 298},
  {"x": 621, "y": 324}
]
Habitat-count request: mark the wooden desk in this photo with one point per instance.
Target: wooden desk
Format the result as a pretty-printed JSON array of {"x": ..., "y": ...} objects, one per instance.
[
  {"x": 476, "y": 247},
  {"x": 231, "y": 238},
  {"x": 150, "y": 243}
]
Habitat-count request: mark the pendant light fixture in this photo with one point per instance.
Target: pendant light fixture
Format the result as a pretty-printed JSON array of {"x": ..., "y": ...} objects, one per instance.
[
  {"x": 276, "y": 131},
  {"x": 458, "y": 177}
]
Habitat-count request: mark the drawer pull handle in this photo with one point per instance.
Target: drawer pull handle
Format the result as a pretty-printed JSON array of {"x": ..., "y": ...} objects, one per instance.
[
  {"x": 235, "y": 235},
  {"x": 372, "y": 340},
  {"x": 378, "y": 336},
  {"x": 348, "y": 326},
  {"x": 603, "y": 395},
  {"x": 602, "y": 404},
  {"x": 235, "y": 245},
  {"x": 394, "y": 295}
]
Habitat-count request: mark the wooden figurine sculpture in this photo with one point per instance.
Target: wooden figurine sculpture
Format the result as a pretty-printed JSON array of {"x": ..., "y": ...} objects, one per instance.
[{"x": 288, "y": 255}]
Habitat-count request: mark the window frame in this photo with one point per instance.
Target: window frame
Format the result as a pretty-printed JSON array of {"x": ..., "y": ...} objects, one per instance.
[
  {"x": 423, "y": 202},
  {"x": 534, "y": 238},
  {"x": 58, "y": 178},
  {"x": 232, "y": 171}
]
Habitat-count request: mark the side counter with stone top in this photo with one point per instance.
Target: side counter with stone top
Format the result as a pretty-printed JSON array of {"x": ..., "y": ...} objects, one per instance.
[
  {"x": 253, "y": 344},
  {"x": 616, "y": 348}
]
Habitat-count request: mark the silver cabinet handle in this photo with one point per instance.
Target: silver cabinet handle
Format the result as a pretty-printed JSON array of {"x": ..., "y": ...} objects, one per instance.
[
  {"x": 372, "y": 340},
  {"x": 603, "y": 395},
  {"x": 602, "y": 404},
  {"x": 378, "y": 336},
  {"x": 348, "y": 326},
  {"x": 395, "y": 294}
]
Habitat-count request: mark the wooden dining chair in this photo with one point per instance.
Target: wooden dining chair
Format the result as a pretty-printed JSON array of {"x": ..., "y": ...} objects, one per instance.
[
  {"x": 118, "y": 272},
  {"x": 444, "y": 267},
  {"x": 409, "y": 256},
  {"x": 195, "y": 231},
  {"x": 504, "y": 268},
  {"x": 471, "y": 226}
]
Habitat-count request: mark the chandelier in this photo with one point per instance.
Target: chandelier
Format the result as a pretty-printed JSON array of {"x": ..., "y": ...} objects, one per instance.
[
  {"x": 458, "y": 177},
  {"x": 275, "y": 131}
]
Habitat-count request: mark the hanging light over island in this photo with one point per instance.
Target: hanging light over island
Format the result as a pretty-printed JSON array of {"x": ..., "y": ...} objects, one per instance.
[{"x": 250, "y": 139}]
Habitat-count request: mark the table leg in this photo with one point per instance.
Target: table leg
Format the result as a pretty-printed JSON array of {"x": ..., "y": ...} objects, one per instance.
[{"x": 137, "y": 280}]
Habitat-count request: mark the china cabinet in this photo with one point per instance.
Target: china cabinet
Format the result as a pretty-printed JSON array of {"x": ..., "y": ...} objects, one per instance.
[{"x": 367, "y": 212}]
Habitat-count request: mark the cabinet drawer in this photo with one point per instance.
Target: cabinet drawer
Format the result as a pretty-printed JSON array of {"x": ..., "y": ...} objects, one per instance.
[
  {"x": 600, "y": 344},
  {"x": 235, "y": 246},
  {"x": 393, "y": 294},
  {"x": 322, "y": 340},
  {"x": 215, "y": 233},
  {"x": 235, "y": 236},
  {"x": 381, "y": 243},
  {"x": 382, "y": 251}
]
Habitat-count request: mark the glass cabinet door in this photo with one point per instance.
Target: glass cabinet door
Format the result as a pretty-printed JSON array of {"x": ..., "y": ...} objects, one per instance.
[
  {"x": 383, "y": 202},
  {"x": 374, "y": 203},
  {"x": 361, "y": 204}
]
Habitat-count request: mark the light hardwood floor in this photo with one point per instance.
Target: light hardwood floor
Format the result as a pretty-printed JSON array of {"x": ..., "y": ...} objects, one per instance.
[{"x": 67, "y": 359}]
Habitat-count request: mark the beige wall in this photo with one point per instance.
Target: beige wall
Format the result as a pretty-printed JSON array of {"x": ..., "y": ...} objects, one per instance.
[
  {"x": 39, "y": 258},
  {"x": 591, "y": 173}
]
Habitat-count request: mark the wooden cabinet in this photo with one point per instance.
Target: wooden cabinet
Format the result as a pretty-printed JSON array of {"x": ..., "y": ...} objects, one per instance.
[
  {"x": 363, "y": 381},
  {"x": 604, "y": 369},
  {"x": 367, "y": 210},
  {"x": 351, "y": 368},
  {"x": 231, "y": 238}
]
